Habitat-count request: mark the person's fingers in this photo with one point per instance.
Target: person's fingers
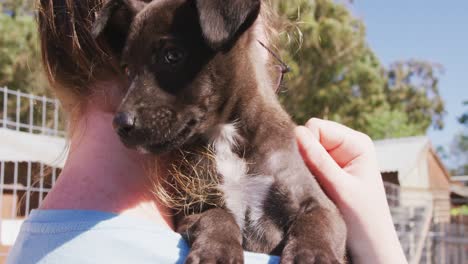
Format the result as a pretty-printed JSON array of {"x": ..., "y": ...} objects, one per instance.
[
  {"x": 342, "y": 143},
  {"x": 320, "y": 163}
]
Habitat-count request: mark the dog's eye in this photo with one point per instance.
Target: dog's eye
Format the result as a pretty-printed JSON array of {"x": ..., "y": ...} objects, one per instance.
[{"x": 173, "y": 56}]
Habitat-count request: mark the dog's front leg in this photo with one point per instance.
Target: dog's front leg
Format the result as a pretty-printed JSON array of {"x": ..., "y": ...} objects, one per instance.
[
  {"x": 214, "y": 237},
  {"x": 317, "y": 235}
]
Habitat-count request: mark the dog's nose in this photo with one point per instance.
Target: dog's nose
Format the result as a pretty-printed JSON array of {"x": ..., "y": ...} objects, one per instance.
[{"x": 124, "y": 123}]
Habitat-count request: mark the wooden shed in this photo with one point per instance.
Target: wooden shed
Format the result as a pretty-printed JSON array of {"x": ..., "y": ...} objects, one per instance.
[{"x": 413, "y": 164}]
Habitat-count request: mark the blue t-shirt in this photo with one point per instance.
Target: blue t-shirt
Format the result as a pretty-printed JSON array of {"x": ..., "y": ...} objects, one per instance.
[{"x": 69, "y": 237}]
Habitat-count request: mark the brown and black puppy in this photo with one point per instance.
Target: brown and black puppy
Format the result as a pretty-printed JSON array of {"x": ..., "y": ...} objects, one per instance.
[{"x": 195, "y": 80}]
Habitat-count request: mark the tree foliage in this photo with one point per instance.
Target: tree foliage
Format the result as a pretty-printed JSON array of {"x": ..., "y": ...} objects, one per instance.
[
  {"x": 391, "y": 124},
  {"x": 337, "y": 76},
  {"x": 459, "y": 147},
  {"x": 459, "y": 153},
  {"x": 464, "y": 118},
  {"x": 456, "y": 154},
  {"x": 20, "y": 66},
  {"x": 413, "y": 87}
]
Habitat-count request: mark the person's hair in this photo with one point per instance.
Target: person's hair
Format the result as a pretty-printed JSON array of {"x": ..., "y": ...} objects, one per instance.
[{"x": 72, "y": 58}]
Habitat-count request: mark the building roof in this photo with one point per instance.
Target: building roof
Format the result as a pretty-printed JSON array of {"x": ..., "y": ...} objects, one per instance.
[
  {"x": 460, "y": 178},
  {"x": 400, "y": 155},
  {"x": 23, "y": 147},
  {"x": 459, "y": 190}
]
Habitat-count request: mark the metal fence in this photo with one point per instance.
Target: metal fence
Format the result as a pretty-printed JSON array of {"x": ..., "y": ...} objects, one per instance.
[
  {"x": 30, "y": 113},
  {"x": 411, "y": 223},
  {"x": 24, "y": 184},
  {"x": 447, "y": 243},
  {"x": 23, "y": 187}
]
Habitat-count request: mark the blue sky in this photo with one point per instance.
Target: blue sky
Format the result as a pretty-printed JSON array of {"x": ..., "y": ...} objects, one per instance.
[{"x": 424, "y": 29}]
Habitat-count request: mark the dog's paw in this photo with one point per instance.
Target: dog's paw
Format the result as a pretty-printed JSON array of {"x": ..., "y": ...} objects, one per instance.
[
  {"x": 215, "y": 254},
  {"x": 309, "y": 256}
]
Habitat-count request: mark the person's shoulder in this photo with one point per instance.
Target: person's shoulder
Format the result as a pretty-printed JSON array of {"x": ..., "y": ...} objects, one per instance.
[
  {"x": 57, "y": 237},
  {"x": 94, "y": 237}
]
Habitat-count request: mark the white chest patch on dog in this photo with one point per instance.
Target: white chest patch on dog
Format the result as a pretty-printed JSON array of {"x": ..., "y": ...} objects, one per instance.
[{"x": 242, "y": 191}]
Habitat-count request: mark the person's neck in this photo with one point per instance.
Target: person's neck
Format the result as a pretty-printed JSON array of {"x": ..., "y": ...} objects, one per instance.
[{"x": 102, "y": 175}]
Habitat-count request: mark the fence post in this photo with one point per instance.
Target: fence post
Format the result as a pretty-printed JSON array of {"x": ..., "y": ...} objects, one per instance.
[
  {"x": 44, "y": 114},
  {"x": 2, "y": 177},
  {"x": 28, "y": 188},
  {"x": 462, "y": 232},
  {"x": 15, "y": 190},
  {"x": 443, "y": 230},
  {"x": 18, "y": 108},
  {"x": 41, "y": 183},
  {"x": 31, "y": 114},
  {"x": 5, "y": 106}
]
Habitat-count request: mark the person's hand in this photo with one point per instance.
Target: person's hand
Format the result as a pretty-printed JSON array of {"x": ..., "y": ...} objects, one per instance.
[{"x": 345, "y": 164}]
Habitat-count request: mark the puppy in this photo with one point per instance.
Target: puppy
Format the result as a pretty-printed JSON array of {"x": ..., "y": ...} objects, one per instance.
[{"x": 195, "y": 81}]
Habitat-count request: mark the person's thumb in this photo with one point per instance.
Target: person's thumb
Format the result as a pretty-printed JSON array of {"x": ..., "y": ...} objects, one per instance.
[{"x": 317, "y": 159}]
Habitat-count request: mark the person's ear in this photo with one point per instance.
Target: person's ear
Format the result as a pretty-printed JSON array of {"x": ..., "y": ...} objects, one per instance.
[
  {"x": 113, "y": 22},
  {"x": 223, "y": 21}
]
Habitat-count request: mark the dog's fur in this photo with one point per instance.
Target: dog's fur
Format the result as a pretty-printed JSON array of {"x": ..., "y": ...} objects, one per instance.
[{"x": 195, "y": 81}]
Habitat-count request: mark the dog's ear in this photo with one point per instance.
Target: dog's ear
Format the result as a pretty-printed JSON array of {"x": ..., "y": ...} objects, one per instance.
[
  {"x": 113, "y": 22},
  {"x": 223, "y": 21}
]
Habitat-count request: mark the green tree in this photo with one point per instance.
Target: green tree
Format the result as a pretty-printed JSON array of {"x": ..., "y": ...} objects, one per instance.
[
  {"x": 337, "y": 76},
  {"x": 391, "y": 124},
  {"x": 456, "y": 154},
  {"x": 459, "y": 154},
  {"x": 20, "y": 63},
  {"x": 464, "y": 118},
  {"x": 413, "y": 87},
  {"x": 459, "y": 147},
  {"x": 334, "y": 72}
]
